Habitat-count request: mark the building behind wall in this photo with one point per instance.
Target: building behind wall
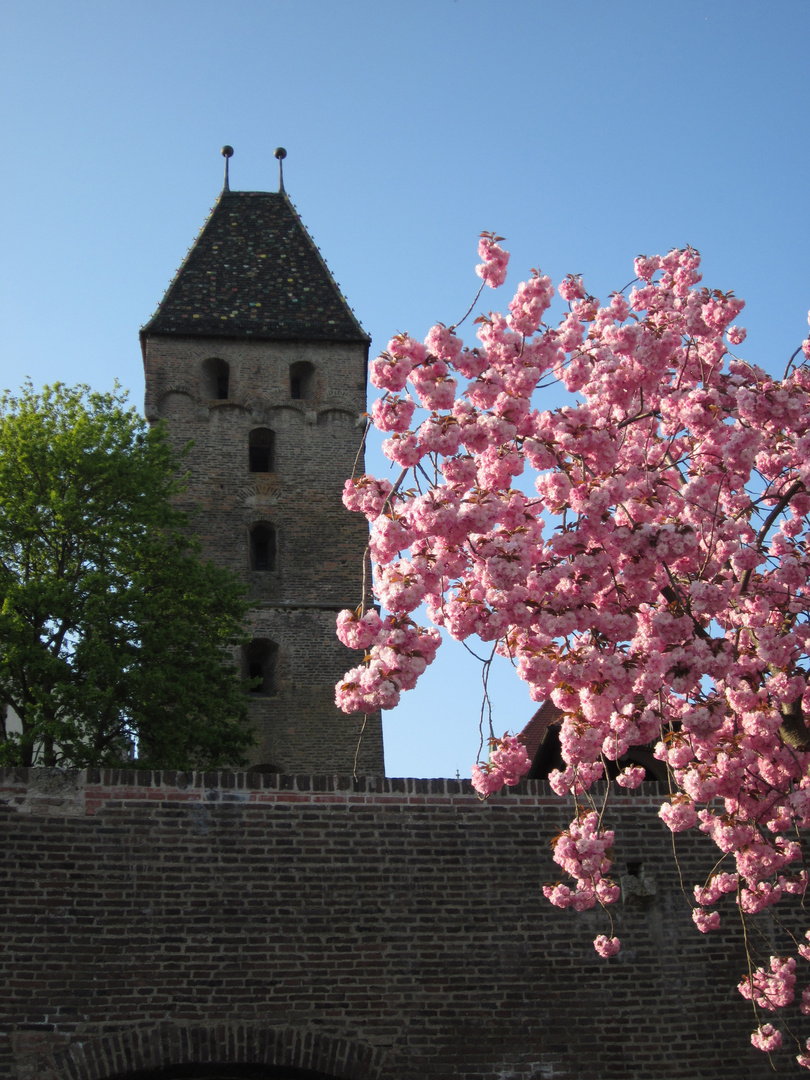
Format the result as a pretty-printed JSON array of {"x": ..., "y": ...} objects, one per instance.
[{"x": 255, "y": 358}]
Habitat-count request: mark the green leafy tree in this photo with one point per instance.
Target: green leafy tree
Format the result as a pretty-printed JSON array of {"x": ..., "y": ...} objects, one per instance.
[{"x": 116, "y": 640}]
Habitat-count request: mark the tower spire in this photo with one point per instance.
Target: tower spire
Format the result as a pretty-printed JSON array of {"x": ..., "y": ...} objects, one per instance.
[
  {"x": 280, "y": 153},
  {"x": 227, "y": 153}
]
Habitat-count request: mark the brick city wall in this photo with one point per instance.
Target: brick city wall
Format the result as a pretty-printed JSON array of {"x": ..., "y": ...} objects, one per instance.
[{"x": 227, "y": 926}]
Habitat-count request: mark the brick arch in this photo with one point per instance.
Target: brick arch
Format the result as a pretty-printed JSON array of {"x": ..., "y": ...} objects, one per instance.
[
  {"x": 177, "y": 388},
  {"x": 293, "y": 407},
  {"x": 216, "y": 1051},
  {"x": 238, "y": 403},
  {"x": 172, "y": 395},
  {"x": 330, "y": 411},
  {"x": 227, "y": 405}
]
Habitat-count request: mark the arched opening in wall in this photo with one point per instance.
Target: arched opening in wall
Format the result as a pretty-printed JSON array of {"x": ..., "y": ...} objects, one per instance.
[
  {"x": 264, "y": 768},
  {"x": 302, "y": 380},
  {"x": 216, "y": 379},
  {"x": 263, "y": 547},
  {"x": 259, "y": 660},
  {"x": 261, "y": 450},
  {"x": 229, "y": 1051}
]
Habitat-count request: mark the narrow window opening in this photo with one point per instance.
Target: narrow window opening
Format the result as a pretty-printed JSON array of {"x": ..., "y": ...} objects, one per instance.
[
  {"x": 216, "y": 377},
  {"x": 301, "y": 380},
  {"x": 261, "y": 446},
  {"x": 262, "y": 559},
  {"x": 634, "y": 868},
  {"x": 259, "y": 459},
  {"x": 259, "y": 666},
  {"x": 263, "y": 548}
]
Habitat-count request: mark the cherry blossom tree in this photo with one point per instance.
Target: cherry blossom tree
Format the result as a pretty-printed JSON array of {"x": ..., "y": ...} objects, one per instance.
[{"x": 652, "y": 581}]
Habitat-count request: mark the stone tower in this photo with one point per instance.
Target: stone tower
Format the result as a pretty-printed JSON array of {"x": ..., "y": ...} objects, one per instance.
[{"x": 255, "y": 357}]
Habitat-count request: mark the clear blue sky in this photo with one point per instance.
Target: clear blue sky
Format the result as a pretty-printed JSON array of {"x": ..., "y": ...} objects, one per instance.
[{"x": 585, "y": 132}]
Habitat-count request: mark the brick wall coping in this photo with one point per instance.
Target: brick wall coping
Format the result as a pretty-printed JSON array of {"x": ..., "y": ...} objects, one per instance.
[{"x": 82, "y": 792}]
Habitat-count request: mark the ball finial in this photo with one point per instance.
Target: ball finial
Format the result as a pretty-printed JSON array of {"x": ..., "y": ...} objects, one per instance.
[
  {"x": 280, "y": 153},
  {"x": 227, "y": 153}
]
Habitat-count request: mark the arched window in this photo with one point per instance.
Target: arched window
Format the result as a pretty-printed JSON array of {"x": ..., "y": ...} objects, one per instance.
[
  {"x": 265, "y": 767},
  {"x": 261, "y": 444},
  {"x": 259, "y": 666},
  {"x": 263, "y": 547},
  {"x": 216, "y": 379},
  {"x": 301, "y": 379}
]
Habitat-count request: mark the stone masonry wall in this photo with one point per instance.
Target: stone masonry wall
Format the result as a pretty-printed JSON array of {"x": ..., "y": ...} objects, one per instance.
[
  {"x": 305, "y": 732},
  {"x": 232, "y": 926},
  {"x": 319, "y": 545}
]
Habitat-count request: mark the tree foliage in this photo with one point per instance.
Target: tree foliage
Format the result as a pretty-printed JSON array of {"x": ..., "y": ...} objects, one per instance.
[
  {"x": 116, "y": 640},
  {"x": 639, "y": 554}
]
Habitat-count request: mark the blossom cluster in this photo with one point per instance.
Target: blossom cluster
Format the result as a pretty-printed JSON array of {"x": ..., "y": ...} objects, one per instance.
[
  {"x": 508, "y": 762},
  {"x": 398, "y": 651},
  {"x": 639, "y": 554},
  {"x": 583, "y": 851}
]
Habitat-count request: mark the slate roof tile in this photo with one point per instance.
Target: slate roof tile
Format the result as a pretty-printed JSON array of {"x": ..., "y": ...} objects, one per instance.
[{"x": 255, "y": 271}]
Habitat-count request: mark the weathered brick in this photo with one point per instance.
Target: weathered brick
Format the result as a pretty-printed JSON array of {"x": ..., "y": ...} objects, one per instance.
[
  {"x": 295, "y": 498},
  {"x": 353, "y": 933}
]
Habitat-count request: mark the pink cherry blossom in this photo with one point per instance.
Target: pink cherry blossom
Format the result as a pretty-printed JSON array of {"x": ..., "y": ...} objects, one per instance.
[
  {"x": 358, "y": 631},
  {"x": 443, "y": 343},
  {"x": 531, "y": 303},
  {"x": 493, "y": 268},
  {"x": 680, "y": 814},
  {"x": 637, "y": 548},
  {"x": 366, "y": 495},
  {"x": 605, "y": 946},
  {"x": 631, "y": 777},
  {"x": 393, "y": 413},
  {"x": 705, "y": 920},
  {"x": 389, "y": 373},
  {"x": 771, "y": 988},
  {"x": 767, "y": 1038},
  {"x": 508, "y": 762}
]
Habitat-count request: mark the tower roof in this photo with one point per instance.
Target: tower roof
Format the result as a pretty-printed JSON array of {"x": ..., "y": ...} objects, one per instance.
[{"x": 254, "y": 271}]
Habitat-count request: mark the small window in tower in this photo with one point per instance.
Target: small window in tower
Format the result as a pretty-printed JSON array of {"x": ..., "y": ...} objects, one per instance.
[
  {"x": 261, "y": 444},
  {"x": 216, "y": 379},
  {"x": 259, "y": 666},
  {"x": 301, "y": 380},
  {"x": 263, "y": 548}
]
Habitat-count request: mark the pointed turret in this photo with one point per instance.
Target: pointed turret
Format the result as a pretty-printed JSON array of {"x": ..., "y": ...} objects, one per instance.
[{"x": 255, "y": 272}]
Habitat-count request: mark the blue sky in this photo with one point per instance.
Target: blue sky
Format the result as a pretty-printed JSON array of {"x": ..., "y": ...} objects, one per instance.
[{"x": 585, "y": 132}]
